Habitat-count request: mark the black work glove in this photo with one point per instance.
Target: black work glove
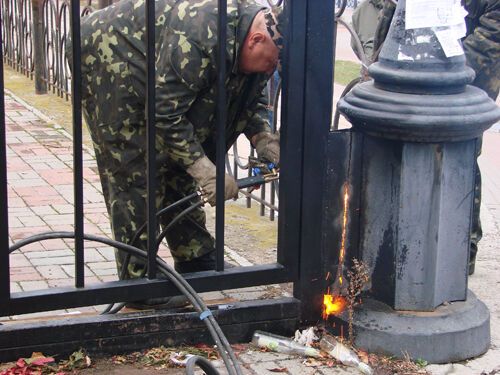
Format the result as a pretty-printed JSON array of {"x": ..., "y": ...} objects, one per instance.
[
  {"x": 204, "y": 171},
  {"x": 267, "y": 146}
]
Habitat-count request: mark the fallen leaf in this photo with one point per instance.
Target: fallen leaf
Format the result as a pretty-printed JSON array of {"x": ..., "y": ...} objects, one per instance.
[
  {"x": 118, "y": 359},
  {"x": 279, "y": 369},
  {"x": 42, "y": 361},
  {"x": 363, "y": 356}
]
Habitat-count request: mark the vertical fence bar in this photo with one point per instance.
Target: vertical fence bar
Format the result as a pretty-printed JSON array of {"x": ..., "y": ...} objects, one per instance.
[
  {"x": 15, "y": 43},
  {"x": 221, "y": 132},
  {"x": 263, "y": 197},
  {"x": 58, "y": 52},
  {"x": 151, "y": 136},
  {"x": 318, "y": 90},
  {"x": 77, "y": 144},
  {"x": 38, "y": 47},
  {"x": 4, "y": 211},
  {"x": 22, "y": 24},
  {"x": 292, "y": 120},
  {"x": 249, "y": 174}
]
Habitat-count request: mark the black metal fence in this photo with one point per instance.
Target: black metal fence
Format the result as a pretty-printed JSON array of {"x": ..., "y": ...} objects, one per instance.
[
  {"x": 284, "y": 270},
  {"x": 349, "y": 3},
  {"x": 20, "y": 39},
  {"x": 306, "y": 110}
]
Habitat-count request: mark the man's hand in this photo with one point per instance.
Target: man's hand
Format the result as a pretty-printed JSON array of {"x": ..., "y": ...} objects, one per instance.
[
  {"x": 204, "y": 171},
  {"x": 267, "y": 146}
]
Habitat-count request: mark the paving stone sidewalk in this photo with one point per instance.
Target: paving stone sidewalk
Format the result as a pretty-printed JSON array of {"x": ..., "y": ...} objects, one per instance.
[{"x": 40, "y": 191}]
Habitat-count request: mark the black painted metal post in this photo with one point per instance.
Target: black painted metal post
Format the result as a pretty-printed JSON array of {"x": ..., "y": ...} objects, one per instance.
[
  {"x": 317, "y": 103},
  {"x": 4, "y": 210},
  {"x": 39, "y": 48},
  {"x": 419, "y": 122},
  {"x": 151, "y": 137},
  {"x": 221, "y": 118},
  {"x": 291, "y": 137},
  {"x": 77, "y": 145}
]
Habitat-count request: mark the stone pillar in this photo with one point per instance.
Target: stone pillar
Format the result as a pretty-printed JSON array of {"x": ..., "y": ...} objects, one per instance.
[{"x": 419, "y": 121}]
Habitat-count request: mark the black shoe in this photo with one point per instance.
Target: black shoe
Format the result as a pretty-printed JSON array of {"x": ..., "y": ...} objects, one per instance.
[
  {"x": 204, "y": 263},
  {"x": 162, "y": 303},
  {"x": 472, "y": 267},
  {"x": 472, "y": 258}
]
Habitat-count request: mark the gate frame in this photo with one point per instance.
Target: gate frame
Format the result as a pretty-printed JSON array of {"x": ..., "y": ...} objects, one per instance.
[{"x": 307, "y": 112}]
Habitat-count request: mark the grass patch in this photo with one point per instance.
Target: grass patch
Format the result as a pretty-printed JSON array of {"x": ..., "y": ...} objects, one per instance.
[{"x": 346, "y": 71}]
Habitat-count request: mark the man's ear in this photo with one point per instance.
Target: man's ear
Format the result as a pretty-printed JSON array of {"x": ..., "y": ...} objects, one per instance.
[{"x": 256, "y": 38}]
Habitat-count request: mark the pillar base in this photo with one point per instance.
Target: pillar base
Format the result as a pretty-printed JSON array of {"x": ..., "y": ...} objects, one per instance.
[{"x": 451, "y": 333}]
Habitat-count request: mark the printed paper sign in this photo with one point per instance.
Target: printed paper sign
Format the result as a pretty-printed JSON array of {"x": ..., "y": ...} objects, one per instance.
[
  {"x": 449, "y": 42},
  {"x": 433, "y": 13}
]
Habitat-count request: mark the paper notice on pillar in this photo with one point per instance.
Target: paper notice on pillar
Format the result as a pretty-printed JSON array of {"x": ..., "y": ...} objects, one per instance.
[
  {"x": 433, "y": 13},
  {"x": 449, "y": 42}
]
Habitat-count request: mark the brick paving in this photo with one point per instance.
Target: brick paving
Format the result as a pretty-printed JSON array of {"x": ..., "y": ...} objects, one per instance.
[
  {"x": 40, "y": 191},
  {"x": 40, "y": 199}
]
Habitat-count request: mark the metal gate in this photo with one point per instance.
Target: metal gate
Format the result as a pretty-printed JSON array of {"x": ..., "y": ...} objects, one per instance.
[{"x": 305, "y": 117}]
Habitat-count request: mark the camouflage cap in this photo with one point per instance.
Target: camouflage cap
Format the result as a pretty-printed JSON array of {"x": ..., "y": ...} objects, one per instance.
[{"x": 276, "y": 24}]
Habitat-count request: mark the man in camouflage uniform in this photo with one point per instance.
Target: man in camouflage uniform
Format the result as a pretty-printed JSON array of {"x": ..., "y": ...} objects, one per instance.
[
  {"x": 482, "y": 51},
  {"x": 113, "y": 99}
]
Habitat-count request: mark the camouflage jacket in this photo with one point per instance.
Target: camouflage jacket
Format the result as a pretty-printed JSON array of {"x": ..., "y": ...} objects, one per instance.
[
  {"x": 481, "y": 44},
  {"x": 186, "y": 41}
]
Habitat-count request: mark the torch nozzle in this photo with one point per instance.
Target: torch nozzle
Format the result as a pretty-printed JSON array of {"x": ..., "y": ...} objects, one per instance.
[{"x": 341, "y": 283}]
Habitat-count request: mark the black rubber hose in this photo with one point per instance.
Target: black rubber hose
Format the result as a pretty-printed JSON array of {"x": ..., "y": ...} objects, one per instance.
[
  {"x": 123, "y": 270},
  {"x": 175, "y": 221},
  {"x": 161, "y": 212},
  {"x": 202, "y": 363},
  {"x": 183, "y": 286}
]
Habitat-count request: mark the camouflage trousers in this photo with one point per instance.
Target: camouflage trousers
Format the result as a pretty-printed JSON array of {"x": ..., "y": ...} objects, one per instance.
[{"x": 114, "y": 113}]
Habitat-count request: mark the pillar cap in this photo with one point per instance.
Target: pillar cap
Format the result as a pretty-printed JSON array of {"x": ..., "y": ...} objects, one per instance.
[
  {"x": 418, "y": 93},
  {"x": 419, "y": 118}
]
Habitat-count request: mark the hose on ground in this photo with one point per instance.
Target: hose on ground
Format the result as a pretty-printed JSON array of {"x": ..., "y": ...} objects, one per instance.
[{"x": 182, "y": 285}]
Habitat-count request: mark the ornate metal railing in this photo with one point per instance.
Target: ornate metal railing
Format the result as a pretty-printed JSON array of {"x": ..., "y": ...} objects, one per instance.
[
  {"x": 17, "y": 20},
  {"x": 349, "y": 3},
  {"x": 19, "y": 40}
]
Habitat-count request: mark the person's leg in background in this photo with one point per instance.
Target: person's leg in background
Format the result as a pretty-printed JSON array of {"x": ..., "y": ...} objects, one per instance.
[{"x": 476, "y": 230}]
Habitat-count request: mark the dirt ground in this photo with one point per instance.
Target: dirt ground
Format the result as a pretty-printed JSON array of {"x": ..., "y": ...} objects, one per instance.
[{"x": 105, "y": 366}]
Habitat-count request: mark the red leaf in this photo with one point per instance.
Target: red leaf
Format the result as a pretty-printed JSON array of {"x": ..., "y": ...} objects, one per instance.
[
  {"x": 21, "y": 363},
  {"x": 42, "y": 361}
]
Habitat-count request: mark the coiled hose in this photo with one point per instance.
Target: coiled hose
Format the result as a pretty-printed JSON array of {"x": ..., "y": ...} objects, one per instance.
[{"x": 182, "y": 285}]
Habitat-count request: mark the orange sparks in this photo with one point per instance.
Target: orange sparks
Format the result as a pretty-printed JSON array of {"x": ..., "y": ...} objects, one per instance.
[
  {"x": 344, "y": 224},
  {"x": 333, "y": 305}
]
